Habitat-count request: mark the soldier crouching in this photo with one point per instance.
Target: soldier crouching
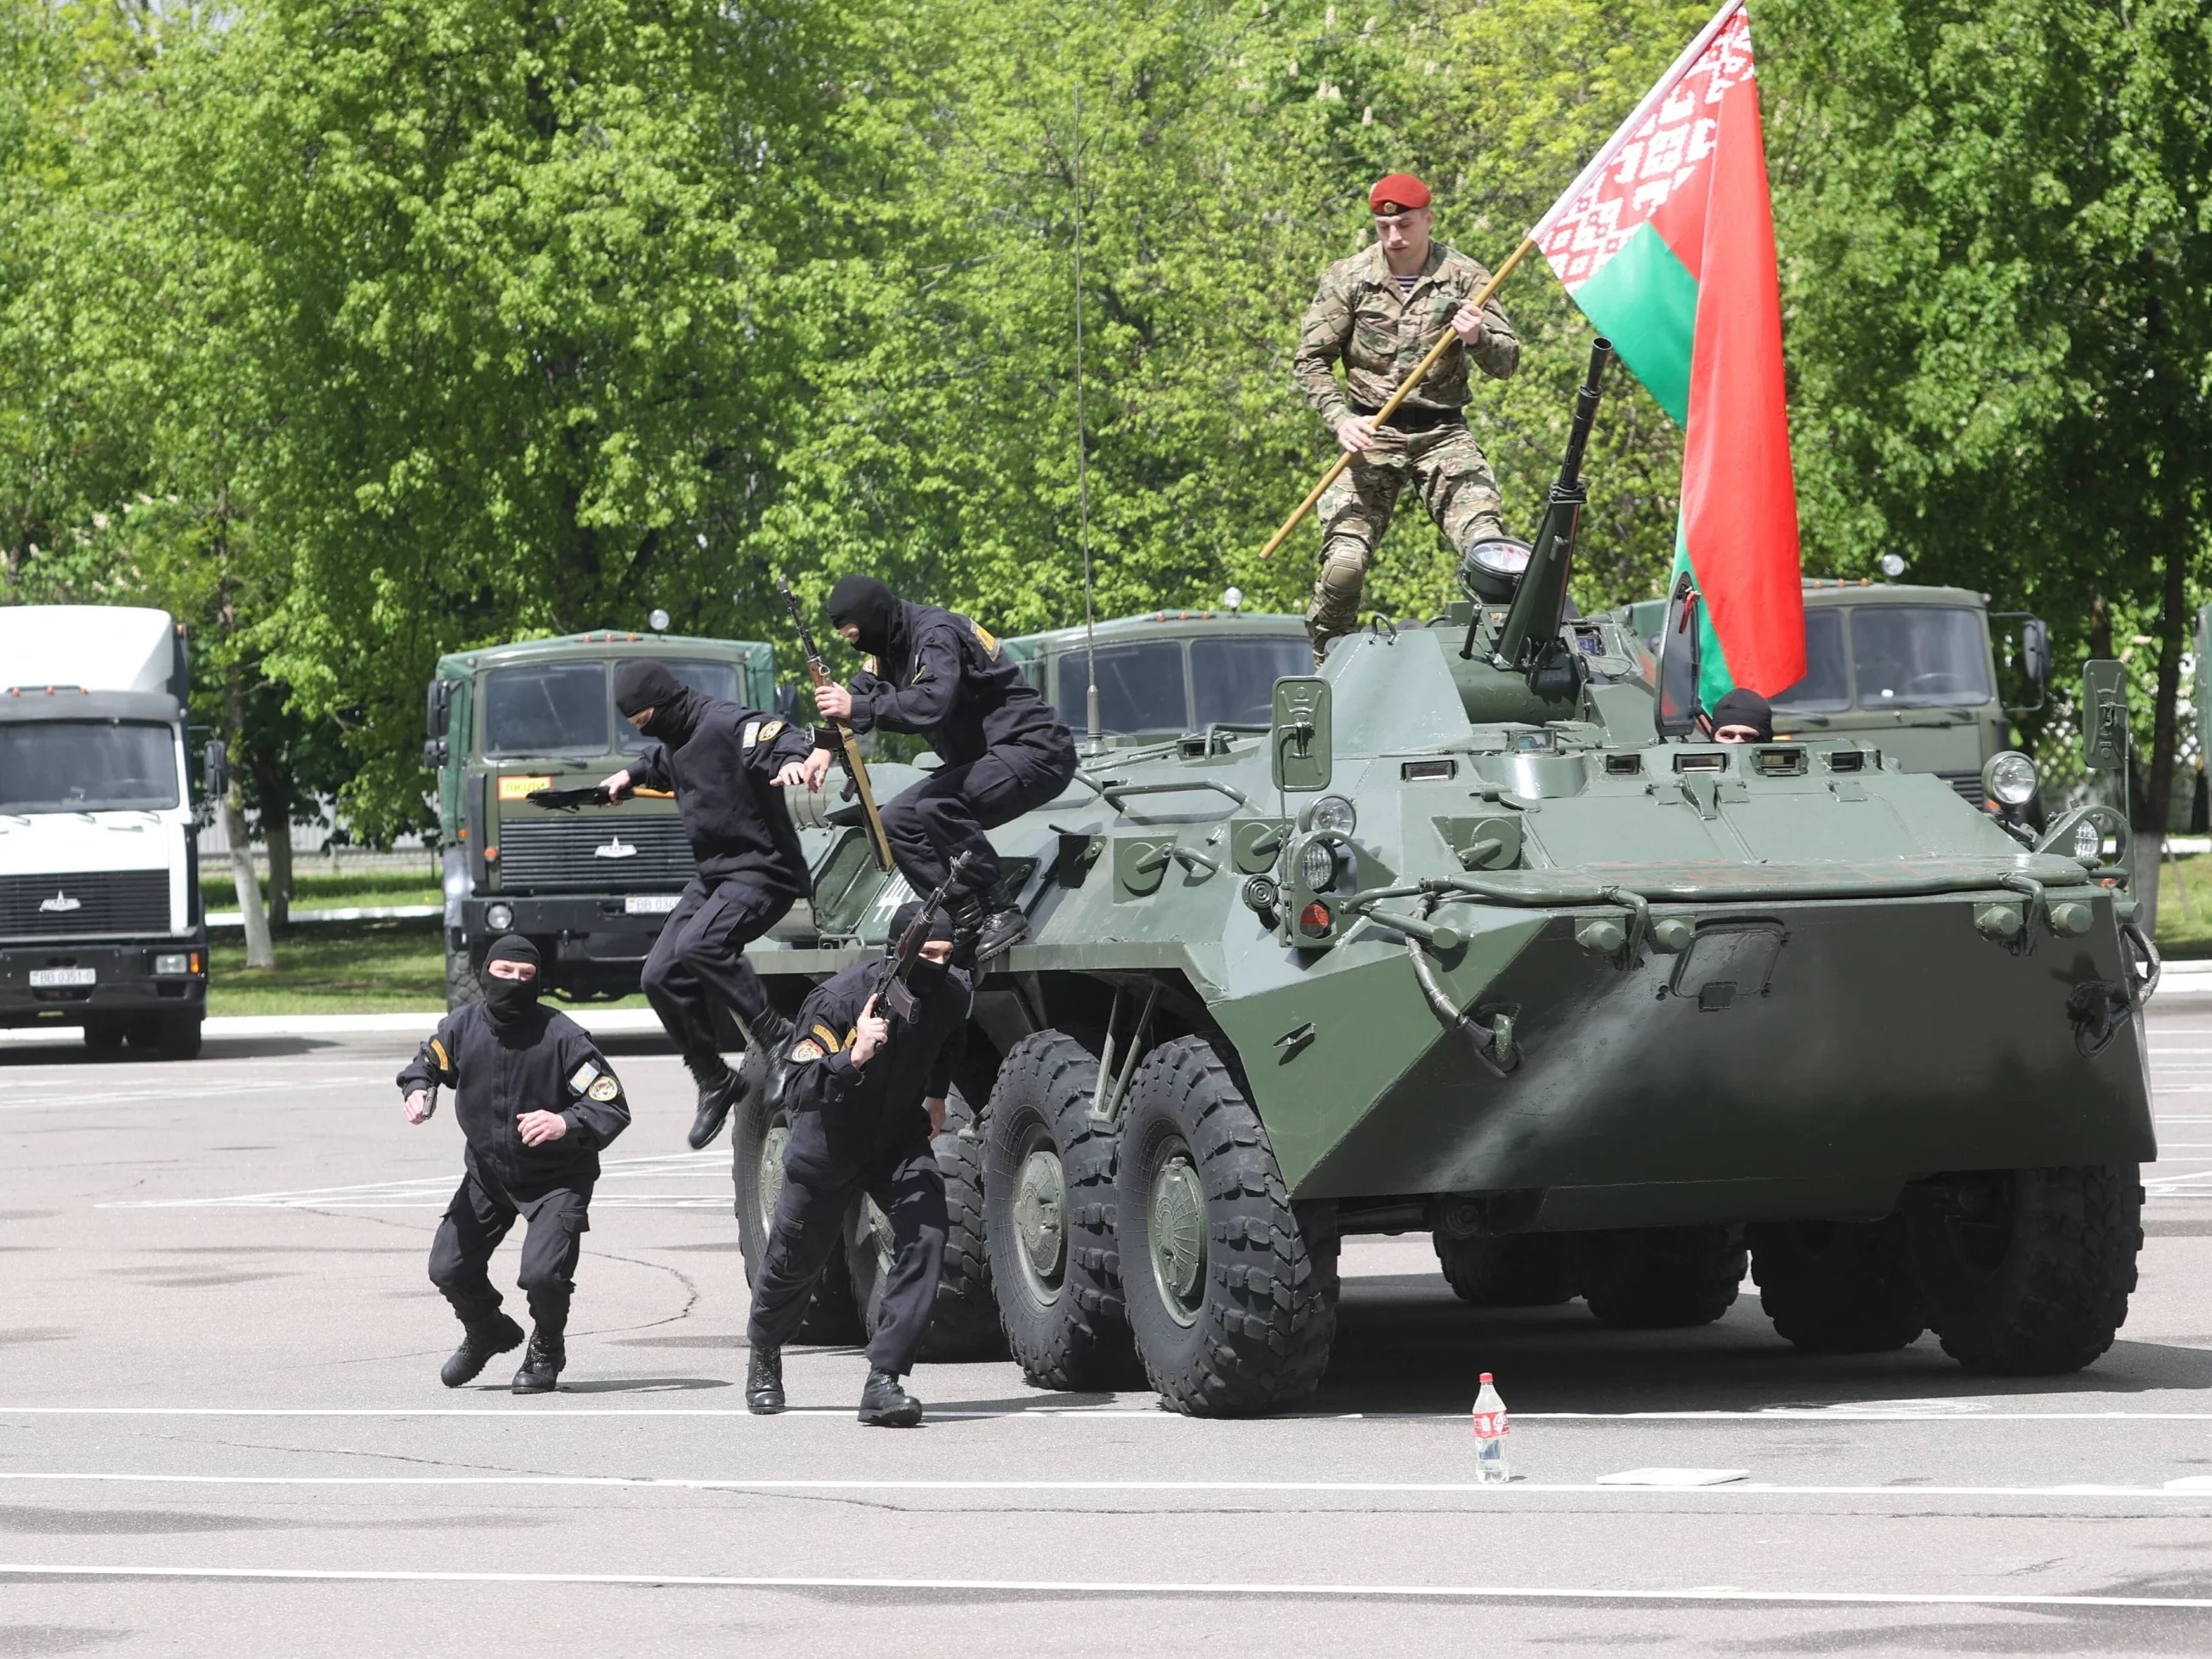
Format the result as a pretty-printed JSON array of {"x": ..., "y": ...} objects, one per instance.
[
  {"x": 866, "y": 1094},
  {"x": 536, "y": 1103}
]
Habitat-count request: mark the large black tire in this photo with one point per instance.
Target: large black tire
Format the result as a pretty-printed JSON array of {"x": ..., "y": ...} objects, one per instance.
[
  {"x": 1231, "y": 1299},
  {"x": 1521, "y": 1270},
  {"x": 963, "y": 1324},
  {"x": 1838, "y": 1287},
  {"x": 1048, "y": 1220},
  {"x": 105, "y": 1034},
  {"x": 2028, "y": 1271},
  {"x": 833, "y": 1319},
  {"x": 178, "y": 1037},
  {"x": 464, "y": 979},
  {"x": 1658, "y": 1278}
]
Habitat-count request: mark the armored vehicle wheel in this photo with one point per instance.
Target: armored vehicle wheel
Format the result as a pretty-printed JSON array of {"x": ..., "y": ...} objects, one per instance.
[
  {"x": 1838, "y": 1287},
  {"x": 1655, "y": 1278},
  {"x": 756, "y": 1172},
  {"x": 463, "y": 983},
  {"x": 1521, "y": 1270},
  {"x": 2028, "y": 1271},
  {"x": 1048, "y": 1220},
  {"x": 1232, "y": 1302},
  {"x": 965, "y": 1322}
]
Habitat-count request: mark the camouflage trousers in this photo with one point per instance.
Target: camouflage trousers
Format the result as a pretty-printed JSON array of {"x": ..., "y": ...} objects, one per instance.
[{"x": 1456, "y": 484}]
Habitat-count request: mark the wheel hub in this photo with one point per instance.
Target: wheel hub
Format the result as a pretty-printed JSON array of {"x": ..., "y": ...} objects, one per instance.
[
  {"x": 1041, "y": 1218},
  {"x": 1178, "y": 1236}
]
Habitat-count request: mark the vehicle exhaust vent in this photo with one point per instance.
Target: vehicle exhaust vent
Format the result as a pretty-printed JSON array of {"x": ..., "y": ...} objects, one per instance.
[
  {"x": 1852, "y": 760},
  {"x": 1701, "y": 760},
  {"x": 1780, "y": 763},
  {"x": 1623, "y": 766},
  {"x": 1968, "y": 784},
  {"x": 1429, "y": 771}
]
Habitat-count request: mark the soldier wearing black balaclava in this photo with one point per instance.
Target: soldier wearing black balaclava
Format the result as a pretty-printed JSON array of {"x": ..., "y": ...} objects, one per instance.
[
  {"x": 866, "y": 1093},
  {"x": 537, "y": 1103},
  {"x": 720, "y": 760},
  {"x": 934, "y": 672}
]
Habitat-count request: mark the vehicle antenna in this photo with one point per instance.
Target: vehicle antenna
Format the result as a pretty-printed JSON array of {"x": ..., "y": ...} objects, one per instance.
[{"x": 1092, "y": 741}]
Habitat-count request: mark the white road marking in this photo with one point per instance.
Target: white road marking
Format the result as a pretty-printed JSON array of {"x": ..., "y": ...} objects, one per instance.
[
  {"x": 1679, "y": 1479},
  {"x": 1107, "y": 1587}
]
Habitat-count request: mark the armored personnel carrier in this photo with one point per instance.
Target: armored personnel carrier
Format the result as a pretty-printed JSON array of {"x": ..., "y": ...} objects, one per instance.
[{"x": 1470, "y": 937}]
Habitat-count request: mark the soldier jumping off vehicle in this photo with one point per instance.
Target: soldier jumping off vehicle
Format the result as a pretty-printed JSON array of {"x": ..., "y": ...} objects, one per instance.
[
  {"x": 536, "y": 1101},
  {"x": 866, "y": 1094},
  {"x": 721, "y": 759},
  {"x": 1379, "y": 312},
  {"x": 934, "y": 672}
]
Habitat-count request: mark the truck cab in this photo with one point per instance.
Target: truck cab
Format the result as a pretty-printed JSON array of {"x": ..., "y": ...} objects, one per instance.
[
  {"x": 590, "y": 888},
  {"x": 1167, "y": 672},
  {"x": 100, "y": 921}
]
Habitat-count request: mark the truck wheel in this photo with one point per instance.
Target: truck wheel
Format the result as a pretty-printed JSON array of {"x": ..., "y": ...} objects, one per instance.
[
  {"x": 104, "y": 1036},
  {"x": 2028, "y": 1271},
  {"x": 1232, "y": 1304},
  {"x": 833, "y": 1320},
  {"x": 178, "y": 1037},
  {"x": 1048, "y": 1220},
  {"x": 1657, "y": 1277},
  {"x": 1521, "y": 1270},
  {"x": 963, "y": 1323},
  {"x": 1838, "y": 1287},
  {"x": 464, "y": 982}
]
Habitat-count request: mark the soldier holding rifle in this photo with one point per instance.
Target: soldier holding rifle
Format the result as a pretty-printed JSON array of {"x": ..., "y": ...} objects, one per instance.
[{"x": 1379, "y": 312}]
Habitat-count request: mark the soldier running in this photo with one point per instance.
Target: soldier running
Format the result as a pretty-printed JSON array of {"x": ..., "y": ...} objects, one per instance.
[
  {"x": 1379, "y": 312},
  {"x": 933, "y": 671}
]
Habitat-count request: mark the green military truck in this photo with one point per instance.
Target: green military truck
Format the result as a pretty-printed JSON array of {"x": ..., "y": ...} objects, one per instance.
[
  {"x": 590, "y": 888},
  {"x": 1167, "y": 672},
  {"x": 1913, "y": 664}
]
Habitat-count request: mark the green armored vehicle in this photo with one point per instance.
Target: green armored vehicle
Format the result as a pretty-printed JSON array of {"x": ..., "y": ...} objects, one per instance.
[
  {"x": 1469, "y": 939},
  {"x": 1166, "y": 672},
  {"x": 590, "y": 889}
]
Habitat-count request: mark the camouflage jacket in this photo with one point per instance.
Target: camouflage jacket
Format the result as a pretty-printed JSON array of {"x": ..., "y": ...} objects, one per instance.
[{"x": 1358, "y": 317}]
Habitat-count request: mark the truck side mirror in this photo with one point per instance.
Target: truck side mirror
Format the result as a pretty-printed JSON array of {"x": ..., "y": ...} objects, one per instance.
[
  {"x": 215, "y": 767},
  {"x": 1302, "y": 746},
  {"x": 1682, "y": 649},
  {"x": 434, "y": 753},
  {"x": 2035, "y": 651},
  {"x": 2104, "y": 715},
  {"x": 437, "y": 709}
]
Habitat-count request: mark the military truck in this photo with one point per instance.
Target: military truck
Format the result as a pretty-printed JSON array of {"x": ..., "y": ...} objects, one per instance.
[
  {"x": 1166, "y": 672},
  {"x": 1915, "y": 664},
  {"x": 1475, "y": 938},
  {"x": 591, "y": 888}
]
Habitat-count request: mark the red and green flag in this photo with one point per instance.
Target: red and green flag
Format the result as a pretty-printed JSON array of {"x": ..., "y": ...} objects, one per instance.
[{"x": 1667, "y": 244}]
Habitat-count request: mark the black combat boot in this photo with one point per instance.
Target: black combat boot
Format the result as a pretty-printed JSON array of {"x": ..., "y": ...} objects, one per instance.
[
  {"x": 1001, "y": 931},
  {"x": 884, "y": 1405},
  {"x": 496, "y": 1335},
  {"x": 716, "y": 1095},
  {"x": 776, "y": 1036},
  {"x": 967, "y": 917},
  {"x": 764, "y": 1381},
  {"x": 541, "y": 1364}
]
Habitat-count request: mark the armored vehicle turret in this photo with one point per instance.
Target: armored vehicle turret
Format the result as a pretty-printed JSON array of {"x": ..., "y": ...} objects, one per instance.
[{"x": 1468, "y": 938}]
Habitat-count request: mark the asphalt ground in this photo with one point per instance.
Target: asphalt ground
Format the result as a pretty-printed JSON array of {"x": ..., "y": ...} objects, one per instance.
[{"x": 221, "y": 1430}]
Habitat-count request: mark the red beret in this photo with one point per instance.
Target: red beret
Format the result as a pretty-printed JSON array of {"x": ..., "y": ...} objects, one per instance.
[{"x": 1395, "y": 192}]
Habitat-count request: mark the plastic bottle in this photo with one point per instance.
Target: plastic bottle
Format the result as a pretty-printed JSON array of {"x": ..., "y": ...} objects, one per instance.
[{"x": 1490, "y": 1435}]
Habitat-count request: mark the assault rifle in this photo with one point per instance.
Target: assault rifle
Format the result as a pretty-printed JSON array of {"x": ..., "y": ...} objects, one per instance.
[
  {"x": 849, "y": 747},
  {"x": 897, "y": 994}
]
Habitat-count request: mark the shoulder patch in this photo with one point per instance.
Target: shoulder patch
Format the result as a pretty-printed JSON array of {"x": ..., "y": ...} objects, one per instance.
[
  {"x": 438, "y": 1049},
  {"x": 808, "y": 1049},
  {"x": 829, "y": 1042},
  {"x": 989, "y": 641},
  {"x": 583, "y": 1077},
  {"x": 752, "y": 731},
  {"x": 603, "y": 1088},
  {"x": 870, "y": 665},
  {"x": 769, "y": 730}
]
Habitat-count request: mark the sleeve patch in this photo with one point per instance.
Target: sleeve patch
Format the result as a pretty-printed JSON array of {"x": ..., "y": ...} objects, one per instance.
[
  {"x": 830, "y": 1043},
  {"x": 584, "y": 1077},
  {"x": 769, "y": 730},
  {"x": 989, "y": 641},
  {"x": 752, "y": 732},
  {"x": 808, "y": 1049},
  {"x": 603, "y": 1088},
  {"x": 438, "y": 1049}
]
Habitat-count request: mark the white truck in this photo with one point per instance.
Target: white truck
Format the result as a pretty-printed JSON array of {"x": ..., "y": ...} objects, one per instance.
[{"x": 100, "y": 921}]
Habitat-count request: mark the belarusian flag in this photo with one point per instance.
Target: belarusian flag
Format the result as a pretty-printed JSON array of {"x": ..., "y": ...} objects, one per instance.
[{"x": 1667, "y": 243}]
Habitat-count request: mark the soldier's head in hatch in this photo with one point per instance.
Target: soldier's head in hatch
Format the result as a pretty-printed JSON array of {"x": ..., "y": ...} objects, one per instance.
[{"x": 1741, "y": 716}]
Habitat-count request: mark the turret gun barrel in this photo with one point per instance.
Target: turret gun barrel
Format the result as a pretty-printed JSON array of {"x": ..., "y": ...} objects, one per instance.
[{"x": 1539, "y": 605}]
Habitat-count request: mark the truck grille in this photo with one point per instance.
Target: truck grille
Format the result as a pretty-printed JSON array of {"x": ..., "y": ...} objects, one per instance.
[
  {"x": 563, "y": 855},
  {"x": 1968, "y": 784},
  {"x": 105, "y": 901}
]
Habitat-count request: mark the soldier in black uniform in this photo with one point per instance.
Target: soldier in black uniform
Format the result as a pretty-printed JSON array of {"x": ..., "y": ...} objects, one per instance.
[
  {"x": 866, "y": 1093},
  {"x": 934, "y": 672},
  {"x": 721, "y": 760},
  {"x": 537, "y": 1103}
]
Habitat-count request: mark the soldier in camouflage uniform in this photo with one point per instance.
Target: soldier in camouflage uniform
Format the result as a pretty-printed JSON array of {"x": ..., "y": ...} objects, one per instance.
[{"x": 1379, "y": 312}]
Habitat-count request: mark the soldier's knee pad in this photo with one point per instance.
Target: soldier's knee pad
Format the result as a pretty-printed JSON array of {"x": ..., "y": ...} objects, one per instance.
[{"x": 1343, "y": 570}]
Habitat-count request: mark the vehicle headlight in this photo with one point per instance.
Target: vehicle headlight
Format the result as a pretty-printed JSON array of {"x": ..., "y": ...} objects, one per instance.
[
  {"x": 2089, "y": 840},
  {"x": 2009, "y": 779},
  {"x": 501, "y": 916},
  {"x": 1317, "y": 864},
  {"x": 1334, "y": 814},
  {"x": 1501, "y": 556},
  {"x": 172, "y": 962}
]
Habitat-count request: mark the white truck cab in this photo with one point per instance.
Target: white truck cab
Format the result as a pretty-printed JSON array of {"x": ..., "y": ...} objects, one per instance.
[{"x": 100, "y": 921}]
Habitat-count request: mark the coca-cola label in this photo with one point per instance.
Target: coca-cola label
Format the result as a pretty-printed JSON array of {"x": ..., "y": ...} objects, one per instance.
[{"x": 1488, "y": 1425}]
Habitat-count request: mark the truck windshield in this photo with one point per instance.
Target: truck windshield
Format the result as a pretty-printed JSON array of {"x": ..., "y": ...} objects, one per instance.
[
  {"x": 86, "y": 766},
  {"x": 1233, "y": 681},
  {"x": 1827, "y": 683},
  {"x": 716, "y": 679},
  {"x": 1140, "y": 689},
  {"x": 1918, "y": 656},
  {"x": 556, "y": 708}
]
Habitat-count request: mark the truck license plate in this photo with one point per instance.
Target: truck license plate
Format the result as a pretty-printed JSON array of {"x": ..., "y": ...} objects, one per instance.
[
  {"x": 649, "y": 904},
  {"x": 51, "y": 978}
]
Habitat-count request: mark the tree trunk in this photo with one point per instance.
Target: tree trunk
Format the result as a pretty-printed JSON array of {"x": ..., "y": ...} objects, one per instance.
[
  {"x": 272, "y": 787},
  {"x": 258, "y": 953},
  {"x": 2165, "y": 732}
]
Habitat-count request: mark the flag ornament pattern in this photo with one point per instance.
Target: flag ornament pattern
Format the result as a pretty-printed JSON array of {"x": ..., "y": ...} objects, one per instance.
[{"x": 1665, "y": 243}]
